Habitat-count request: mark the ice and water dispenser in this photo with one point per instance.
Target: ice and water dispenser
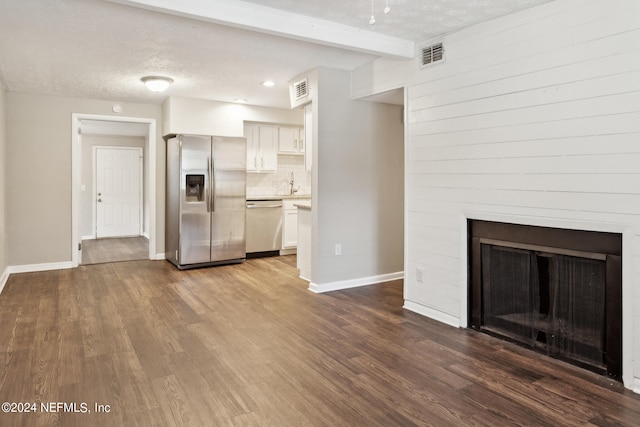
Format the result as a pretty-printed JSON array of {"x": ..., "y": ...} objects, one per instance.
[{"x": 194, "y": 188}]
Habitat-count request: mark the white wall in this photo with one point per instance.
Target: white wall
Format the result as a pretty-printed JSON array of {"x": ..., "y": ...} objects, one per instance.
[
  {"x": 39, "y": 146},
  {"x": 357, "y": 187},
  {"x": 533, "y": 118},
  {"x": 203, "y": 117},
  {"x": 4, "y": 251},
  {"x": 88, "y": 142}
]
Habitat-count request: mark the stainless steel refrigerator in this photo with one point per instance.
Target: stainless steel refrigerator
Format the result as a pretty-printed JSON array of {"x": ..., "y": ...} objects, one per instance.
[{"x": 206, "y": 190}]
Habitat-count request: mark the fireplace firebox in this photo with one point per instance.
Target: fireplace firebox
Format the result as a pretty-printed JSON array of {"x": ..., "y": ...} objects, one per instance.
[{"x": 557, "y": 291}]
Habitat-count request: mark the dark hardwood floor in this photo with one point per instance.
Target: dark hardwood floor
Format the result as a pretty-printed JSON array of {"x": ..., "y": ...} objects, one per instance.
[
  {"x": 249, "y": 345},
  {"x": 97, "y": 251}
]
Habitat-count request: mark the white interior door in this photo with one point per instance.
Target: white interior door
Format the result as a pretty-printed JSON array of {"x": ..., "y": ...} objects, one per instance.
[{"x": 118, "y": 191}]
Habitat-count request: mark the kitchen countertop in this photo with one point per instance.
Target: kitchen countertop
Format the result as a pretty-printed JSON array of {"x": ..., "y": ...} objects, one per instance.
[{"x": 306, "y": 206}]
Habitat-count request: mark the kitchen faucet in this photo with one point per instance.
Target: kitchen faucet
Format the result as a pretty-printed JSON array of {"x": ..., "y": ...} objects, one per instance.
[{"x": 291, "y": 189}]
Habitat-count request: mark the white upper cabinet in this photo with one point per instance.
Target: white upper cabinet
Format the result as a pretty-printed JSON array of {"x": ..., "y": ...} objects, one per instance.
[
  {"x": 262, "y": 148},
  {"x": 291, "y": 140},
  {"x": 253, "y": 146},
  {"x": 268, "y": 148},
  {"x": 308, "y": 137}
]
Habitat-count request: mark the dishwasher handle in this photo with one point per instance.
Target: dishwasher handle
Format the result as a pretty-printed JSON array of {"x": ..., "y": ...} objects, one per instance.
[{"x": 261, "y": 206}]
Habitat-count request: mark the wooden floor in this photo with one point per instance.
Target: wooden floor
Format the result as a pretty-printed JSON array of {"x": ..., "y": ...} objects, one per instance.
[
  {"x": 249, "y": 345},
  {"x": 97, "y": 251}
]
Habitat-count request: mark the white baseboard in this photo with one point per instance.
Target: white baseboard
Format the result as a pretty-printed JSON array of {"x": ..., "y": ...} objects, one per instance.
[
  {"x": 289, "y": 251},
  {"x": 432, "y": 314},
  {"x": 4, "y": 278},
  {"x": 354, "y": 283},
  {"x": 30, "y": 268},
  {"x": 160, "y": 256}
]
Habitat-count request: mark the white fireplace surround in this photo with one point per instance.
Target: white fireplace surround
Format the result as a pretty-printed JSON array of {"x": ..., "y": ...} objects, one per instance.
[{"x": 627, "y": 232}]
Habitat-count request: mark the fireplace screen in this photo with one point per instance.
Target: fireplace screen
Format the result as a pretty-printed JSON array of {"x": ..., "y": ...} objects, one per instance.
[
  {"x": 555, "y": 302},
  {"x": 553, "y": 290}
]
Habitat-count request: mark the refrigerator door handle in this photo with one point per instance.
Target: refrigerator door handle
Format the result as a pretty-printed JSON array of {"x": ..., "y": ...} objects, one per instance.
[
  {"x": 208, "y": 192},
  {"x": 212, "y": 184}
]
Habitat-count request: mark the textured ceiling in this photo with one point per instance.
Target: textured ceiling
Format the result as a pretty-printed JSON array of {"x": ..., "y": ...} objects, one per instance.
[
  {"x": 99, "y": 49},
  {"x": 416, "y": 20}
]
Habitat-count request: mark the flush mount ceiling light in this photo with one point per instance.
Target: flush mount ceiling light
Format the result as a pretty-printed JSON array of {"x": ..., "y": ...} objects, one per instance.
[
  {"x": 268, "y": 83},
  {"x": 156, "y": 83},
  {"x": 240, "y": 100}
]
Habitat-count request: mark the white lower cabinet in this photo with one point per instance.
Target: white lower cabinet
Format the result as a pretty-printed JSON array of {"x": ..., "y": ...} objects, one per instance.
[
  {"x": 290, "y": 222},
  {"x": 290, "y": 228}
]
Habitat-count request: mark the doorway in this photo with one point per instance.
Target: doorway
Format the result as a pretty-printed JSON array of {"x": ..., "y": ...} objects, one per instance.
[
  {"x": 118, "y": 184},
  {"x": 122, "y": 225},
  {"x": 117, "y": 204}
]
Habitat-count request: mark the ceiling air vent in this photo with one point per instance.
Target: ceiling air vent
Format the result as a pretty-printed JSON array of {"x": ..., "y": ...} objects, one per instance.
[
  {"x": 301, "y": 89},
  {"x": 431, "y": 54}
]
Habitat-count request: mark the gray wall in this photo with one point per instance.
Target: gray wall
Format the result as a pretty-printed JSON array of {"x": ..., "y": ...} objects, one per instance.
[
  {"x": 87, "y": 176},
  {"x": 39, "y": 146},
  {"x": 3, "y": 171},
  {"x": 357, "y": 184}
]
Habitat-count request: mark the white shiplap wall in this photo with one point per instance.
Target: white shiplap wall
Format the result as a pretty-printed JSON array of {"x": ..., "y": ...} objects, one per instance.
[{"x": 533, "y": 118}]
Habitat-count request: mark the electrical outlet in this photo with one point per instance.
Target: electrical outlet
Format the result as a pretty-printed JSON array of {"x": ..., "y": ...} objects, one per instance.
[
  {"x": 338, "y": 249},
  {"x": 420, "y": 274}
]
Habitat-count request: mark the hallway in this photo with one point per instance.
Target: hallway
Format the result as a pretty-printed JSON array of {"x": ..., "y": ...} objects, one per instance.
[{"x": 98, "y": 251}]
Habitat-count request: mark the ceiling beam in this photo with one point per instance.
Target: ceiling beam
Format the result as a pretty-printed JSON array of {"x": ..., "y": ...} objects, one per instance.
[{"x": 249, "y": 16}]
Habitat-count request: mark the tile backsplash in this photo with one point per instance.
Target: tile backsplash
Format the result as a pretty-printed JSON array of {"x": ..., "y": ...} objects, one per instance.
[{"x": 277, "y": 183}]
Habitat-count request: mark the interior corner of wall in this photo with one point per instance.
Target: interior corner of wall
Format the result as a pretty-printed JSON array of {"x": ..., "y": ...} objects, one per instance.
[{"x": 166, "y": 116}]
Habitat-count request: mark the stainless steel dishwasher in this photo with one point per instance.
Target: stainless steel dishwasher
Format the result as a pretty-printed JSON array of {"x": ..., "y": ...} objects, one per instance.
[{"x": 264, "y": 227}]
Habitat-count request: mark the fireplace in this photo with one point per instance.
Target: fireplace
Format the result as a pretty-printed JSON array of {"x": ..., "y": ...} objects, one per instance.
[{"x": 556, "y": 291}]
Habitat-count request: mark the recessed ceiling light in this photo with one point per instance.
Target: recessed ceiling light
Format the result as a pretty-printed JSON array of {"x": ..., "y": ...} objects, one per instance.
[
  {"x": 268, "y": 83},
  {"x": 156, "y": 83},
  {"x": 240, "y": 100}
]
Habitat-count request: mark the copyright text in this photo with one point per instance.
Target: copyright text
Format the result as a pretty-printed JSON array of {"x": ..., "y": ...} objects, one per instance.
[{"x": 72, "y": 407}]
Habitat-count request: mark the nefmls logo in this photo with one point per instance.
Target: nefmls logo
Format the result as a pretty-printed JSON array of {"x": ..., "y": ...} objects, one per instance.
[{"x": 81, "y": 407}]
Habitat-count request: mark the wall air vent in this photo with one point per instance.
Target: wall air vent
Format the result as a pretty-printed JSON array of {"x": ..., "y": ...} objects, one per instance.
[
  {"x": 431, "y": 54},
  {"x": 301, "y": 89}
]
